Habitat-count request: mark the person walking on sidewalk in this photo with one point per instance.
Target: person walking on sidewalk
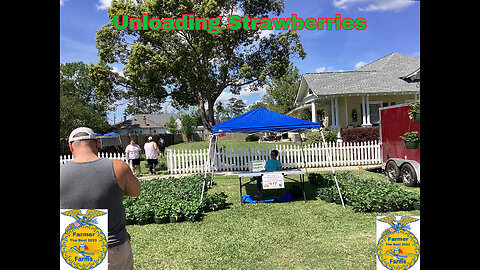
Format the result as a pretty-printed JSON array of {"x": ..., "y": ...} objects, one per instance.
[
  {"x": 133, "y": 153},
  {"x": 151, "y": 153}
]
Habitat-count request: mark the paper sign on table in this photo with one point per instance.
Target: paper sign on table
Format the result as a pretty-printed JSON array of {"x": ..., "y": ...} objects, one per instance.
[
  {"x": 273, "y": 181},
  {"x": 257, "y": 165}
]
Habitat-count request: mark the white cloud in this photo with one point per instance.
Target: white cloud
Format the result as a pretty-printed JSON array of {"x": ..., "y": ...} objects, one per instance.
[
  {"x": 77, "y": 47},
  {"x": 360, "y": 64},
  {"x": 327, "y": 69},
  {"x": 265, "y": 33},
  {"x": 104, "y": 4},
  {"x": 345, "y": 4},
  {"x": 62, "y": 2},
  {"x": 117, "y": 70},
  {"x": 245, "y": 94},
  {"x": 320, "y": 69},
  {"x": 373, "y": 5}
]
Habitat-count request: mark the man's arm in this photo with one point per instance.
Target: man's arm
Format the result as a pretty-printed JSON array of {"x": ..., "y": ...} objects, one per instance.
[
  {"x": 155, "y": 146},
  {"x": 125, "y": 178}
]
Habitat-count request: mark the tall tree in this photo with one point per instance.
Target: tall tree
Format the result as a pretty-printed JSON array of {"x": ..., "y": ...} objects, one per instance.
[
  {"x": 172, "y": 125},
  {"x": 237, "y": 107},
  {"x": 281, "y": 92},
  {"x": 188, "y": 126},
  {"x": 79, "y": 103},
  {"x": 75, "y": 81},
  {"x": 194, "y": 67}
]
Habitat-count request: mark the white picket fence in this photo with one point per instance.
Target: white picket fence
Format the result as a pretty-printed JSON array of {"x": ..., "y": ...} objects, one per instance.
[
  {"x": 121, "y": 156},
  {"x": 234, "y": 159}
]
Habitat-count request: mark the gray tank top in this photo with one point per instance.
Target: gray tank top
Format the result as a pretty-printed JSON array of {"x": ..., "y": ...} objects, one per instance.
[{"x": 92, "y": 185}]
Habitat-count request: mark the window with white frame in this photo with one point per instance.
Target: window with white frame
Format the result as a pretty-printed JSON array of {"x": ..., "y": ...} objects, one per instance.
[{"x": 374, "y": 111}]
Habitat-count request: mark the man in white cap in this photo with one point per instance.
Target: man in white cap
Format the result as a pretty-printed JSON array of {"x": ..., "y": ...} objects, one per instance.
[
  {"x": 151, "y": 153},
  {"x": 91, "y": 182}
]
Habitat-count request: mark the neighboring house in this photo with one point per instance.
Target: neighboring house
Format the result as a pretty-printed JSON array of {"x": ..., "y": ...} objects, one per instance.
[
  {"x": 145, "y": 123},
  {"x": 353, "y": 98}
]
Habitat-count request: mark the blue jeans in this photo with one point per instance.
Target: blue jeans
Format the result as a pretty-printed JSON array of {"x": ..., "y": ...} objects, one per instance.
[{"x": 259, "y": 182}]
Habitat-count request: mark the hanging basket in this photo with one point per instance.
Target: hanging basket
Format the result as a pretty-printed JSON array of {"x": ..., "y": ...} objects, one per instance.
[
  {"x": 412, "y": 144},
  {"x": 416, "y": 116}
]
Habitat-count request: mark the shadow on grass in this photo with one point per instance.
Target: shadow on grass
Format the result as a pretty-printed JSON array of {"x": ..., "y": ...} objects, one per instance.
[{"x": 311, "y": 190}]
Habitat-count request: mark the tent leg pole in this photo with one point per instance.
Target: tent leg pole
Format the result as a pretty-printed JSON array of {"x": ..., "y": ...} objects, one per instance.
[
  {"x": 333, "y": 171},
  {"x": 241, "y": 195},
  {"x": 305, "y": 167},
  {"x": 206, "y": 168},
  {"x": 212, "y": 163},
  {"x": 303, "y": 157}
]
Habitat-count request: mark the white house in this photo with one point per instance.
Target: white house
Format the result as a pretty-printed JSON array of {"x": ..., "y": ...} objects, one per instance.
[
  {"x": 145, "y": 123},
  {"x": 353, "y": 98}
]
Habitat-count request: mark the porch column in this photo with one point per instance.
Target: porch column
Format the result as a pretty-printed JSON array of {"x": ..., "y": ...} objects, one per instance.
[
  {"x": 364, "y": 112},
  {"x": 337, "y": 122},
  {"x": 337, "y": 119},
  {"x": 346, "y": 113},
  {"x": 333, "y": 112},
  {"x": 368, "y": 112},
  {"x": 314, "y": 112}
]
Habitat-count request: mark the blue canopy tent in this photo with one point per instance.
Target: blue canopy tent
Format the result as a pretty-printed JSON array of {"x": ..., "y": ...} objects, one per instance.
[
  {"x": 108, "y": 139},
  {"x": 261, "y": 120},
  {"x": 258, "y": 120}
]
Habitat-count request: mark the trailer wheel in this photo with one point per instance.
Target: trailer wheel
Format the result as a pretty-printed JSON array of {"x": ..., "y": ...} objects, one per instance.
[
  {"x": 408, "y": 175},
  {"x": 392, "y": 171}
]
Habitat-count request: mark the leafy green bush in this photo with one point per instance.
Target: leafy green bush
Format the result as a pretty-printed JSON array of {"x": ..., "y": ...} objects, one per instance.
[
  {"x": 364, "y": 194},
  {"x": 252, "y": 138},
  {"x": 316, "y": 137},
  {"x": 180, "y": 197},
  {"x": 214, "y": 201}
]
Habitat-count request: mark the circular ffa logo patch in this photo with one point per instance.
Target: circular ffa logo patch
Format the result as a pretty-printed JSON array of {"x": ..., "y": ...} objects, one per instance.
[
  {"x": 83, "y": 245},
  {"x": 398, "y": 248}
]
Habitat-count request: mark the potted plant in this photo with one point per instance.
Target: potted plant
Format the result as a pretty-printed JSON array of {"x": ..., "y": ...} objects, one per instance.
[
  {"x": 161, "y": 213},
  {"x": 176, "y": 214},
  {"x": 414, "y": 113},
  {"x": 328, "y": 197},
  {"x": 391, "y": 201},
  {"x": 416, "y": 205},
  {"x": 411, "y": 139},
  {"x": 414, "y": 200},
  {"x": 192, "y": 210}
]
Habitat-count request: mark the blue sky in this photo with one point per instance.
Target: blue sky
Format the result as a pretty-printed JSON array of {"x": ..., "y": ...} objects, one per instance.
[{"x": 392, "y": 26}]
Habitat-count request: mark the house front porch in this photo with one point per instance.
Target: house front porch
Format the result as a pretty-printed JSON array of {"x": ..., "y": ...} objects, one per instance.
[{"x": 337, "y": 112}]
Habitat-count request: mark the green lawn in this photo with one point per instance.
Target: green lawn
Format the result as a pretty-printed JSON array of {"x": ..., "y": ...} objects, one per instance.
[{"x": 294, "y": 235}]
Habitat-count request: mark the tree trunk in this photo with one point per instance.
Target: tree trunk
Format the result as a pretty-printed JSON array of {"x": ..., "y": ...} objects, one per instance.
[
  {"x": 201, "y": 104},
  {"x": 211, "y": 115}
]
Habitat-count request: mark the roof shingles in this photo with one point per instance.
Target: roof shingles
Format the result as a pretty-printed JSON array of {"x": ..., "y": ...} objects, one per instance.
[
  {"x": 382, "y": 76},
  {"x": 145, "y": 121}
]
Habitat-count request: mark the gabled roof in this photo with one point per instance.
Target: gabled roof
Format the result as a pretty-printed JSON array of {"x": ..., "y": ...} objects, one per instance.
[
  {"x": 394, "y": 64},
  {"x": 382, "y": 76},
  {"x": 145, "y": 121}
]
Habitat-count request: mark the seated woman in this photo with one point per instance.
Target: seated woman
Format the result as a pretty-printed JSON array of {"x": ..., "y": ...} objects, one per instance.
[{"x": 270, "y": 166}]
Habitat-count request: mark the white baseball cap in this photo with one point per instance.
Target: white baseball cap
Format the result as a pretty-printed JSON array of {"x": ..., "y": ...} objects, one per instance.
[{"x": 89, "y": 131}]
